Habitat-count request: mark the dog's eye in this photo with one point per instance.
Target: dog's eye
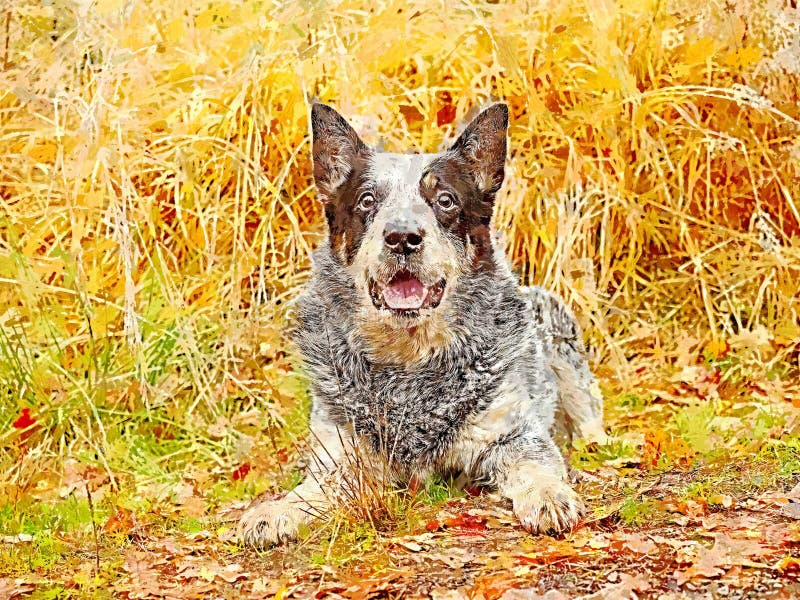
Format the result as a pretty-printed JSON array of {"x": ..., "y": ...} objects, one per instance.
[
  {"x": 366, "y": 201},
  {"x": 446, "y": 201}
]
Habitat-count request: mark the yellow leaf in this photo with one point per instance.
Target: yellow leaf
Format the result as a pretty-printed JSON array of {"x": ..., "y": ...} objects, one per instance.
[
  {"x": 699, "y": 52},
  {"x": 788, "y": 563},
  {"x": 753, "y": 340},
  {"x": 174, "y": 31},
  {"x": 205, "y": 19},
  {"x": 45, "y": 152},
  {"x": 743, "y": 57},
  {"x": 604, "y": 81},
  {"x": 716, "y": 349},
  {"x": 223, "y": 10},
  {"x": 507, "y": 53},
  {"x": 181, "y": 72}
]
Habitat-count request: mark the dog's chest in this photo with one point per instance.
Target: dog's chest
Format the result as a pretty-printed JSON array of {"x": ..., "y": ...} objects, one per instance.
[{"x": 412, "y": 415}]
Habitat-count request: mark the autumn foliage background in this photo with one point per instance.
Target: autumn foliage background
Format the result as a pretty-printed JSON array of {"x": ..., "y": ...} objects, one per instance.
[{"x": 157, "y": 212}]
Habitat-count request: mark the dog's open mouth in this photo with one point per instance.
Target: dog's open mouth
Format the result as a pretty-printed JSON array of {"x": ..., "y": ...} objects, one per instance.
[{"x": 405, "y": 294}]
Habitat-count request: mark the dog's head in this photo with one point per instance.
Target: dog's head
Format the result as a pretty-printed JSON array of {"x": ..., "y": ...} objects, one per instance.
[{"x": 408, "y": 226}]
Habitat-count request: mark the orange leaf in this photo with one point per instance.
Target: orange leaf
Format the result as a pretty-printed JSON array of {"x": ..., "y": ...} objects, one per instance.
[
  {"x": 120, "y": 522},
  {"x": 433, "y": 526},
  {"x": 466, "y": 521}
]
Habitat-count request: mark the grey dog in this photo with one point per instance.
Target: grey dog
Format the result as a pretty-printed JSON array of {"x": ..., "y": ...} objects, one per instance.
[{"x": 422, "y": 349}]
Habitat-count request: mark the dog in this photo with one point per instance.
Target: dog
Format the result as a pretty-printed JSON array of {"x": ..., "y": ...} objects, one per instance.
[{"x": 422, "y": 349}]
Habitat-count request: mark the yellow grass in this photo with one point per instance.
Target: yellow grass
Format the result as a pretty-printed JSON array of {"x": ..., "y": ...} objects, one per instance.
[{"x": 157, "y": 211}]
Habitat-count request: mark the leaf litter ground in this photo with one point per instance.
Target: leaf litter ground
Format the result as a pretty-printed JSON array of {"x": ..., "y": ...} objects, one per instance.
[{"x": 670, "y": 516}]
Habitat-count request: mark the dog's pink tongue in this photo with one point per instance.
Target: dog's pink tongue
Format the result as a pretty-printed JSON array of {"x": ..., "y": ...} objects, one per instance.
[{"x": 404, "y": 292}]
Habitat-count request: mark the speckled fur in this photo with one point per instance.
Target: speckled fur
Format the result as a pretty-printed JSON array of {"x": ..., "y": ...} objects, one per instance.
[{"x": 485, "y": 400}]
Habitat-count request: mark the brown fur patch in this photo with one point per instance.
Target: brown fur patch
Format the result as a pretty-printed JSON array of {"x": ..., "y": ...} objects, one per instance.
[
  {"x": 400, "y": 345},
  {"x": 451, "y": 172},
  {"x": 346, "y": 225}
]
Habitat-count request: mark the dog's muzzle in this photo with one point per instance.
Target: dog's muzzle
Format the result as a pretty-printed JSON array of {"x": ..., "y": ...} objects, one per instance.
[{"x": 404, "y": 294}]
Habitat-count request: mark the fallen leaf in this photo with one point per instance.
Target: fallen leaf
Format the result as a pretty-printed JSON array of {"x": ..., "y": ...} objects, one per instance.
[
  {"x": 551, "y": 551},
  {"x": 446, "y": 115},
  {"x": 445, "y": 594},
  {"x": 624, "y": 590},
  {"x": 411, "y": 114},
  {"x": 433, "y": 526},
  {"x": 492, "y": 586},
  {"x": 409, "y": 545},
  {"x": 726, "y": 552},
  {"x": 532, "y": 594},
  {"x": 636, "y": 543},
  {"x": 120, "y": 522},
  {"x": 592, "y": 539},
  {"x": 265, "y": 586},
  {"x": 788, "y": 563},
  {"x": 791, "y": 510},
  {"x": 232, "y": 572},
  {"x": 690, "y": 508},
  {"x": 721, "y": 499},
  {"x": 467, "y": 522},
  {"x": 20, "y": 538},
  {"x": 14, "y": 588},
  {"x": 454, "y": 560}
]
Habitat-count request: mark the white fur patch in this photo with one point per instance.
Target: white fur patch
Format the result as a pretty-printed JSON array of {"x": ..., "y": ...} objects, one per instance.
[
  {"x": 396, "y": 179},
  {"x": 511, "y": 409},
  {"x": 542, "y": 500},
  {"x": 275, "y": 521}
]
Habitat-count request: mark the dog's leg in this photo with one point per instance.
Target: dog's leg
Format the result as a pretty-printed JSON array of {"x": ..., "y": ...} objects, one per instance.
[
  {"x": 529, "y": 470},
  {"x": 579, "y": 398},
  {"x": 580, "y": 403},
  {"x": 274, "y": 521}
]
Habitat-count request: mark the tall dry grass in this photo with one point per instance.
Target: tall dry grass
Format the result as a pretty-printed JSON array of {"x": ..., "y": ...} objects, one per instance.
[{"x": 158, "y": 211}]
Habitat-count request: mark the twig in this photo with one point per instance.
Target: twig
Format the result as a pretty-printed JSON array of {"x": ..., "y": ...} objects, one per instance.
[
  {"x": 8, "y": 35},
  {"x": 94, "y": 529}
]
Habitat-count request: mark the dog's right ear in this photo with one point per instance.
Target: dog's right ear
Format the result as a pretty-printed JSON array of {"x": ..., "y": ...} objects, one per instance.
[{"x": 335, "y": 147}]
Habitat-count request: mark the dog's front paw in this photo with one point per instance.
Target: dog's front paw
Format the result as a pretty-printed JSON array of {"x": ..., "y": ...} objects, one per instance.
[
  {"x": 271, "y": 522},
  {"x": 550, "y": 507}
]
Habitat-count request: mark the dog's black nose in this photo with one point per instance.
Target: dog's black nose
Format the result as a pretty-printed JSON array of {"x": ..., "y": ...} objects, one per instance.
[{"x": 403, "y": 240}]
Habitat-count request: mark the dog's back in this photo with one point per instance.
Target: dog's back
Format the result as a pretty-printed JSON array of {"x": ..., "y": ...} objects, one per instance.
[{"x": 580, "y": 403}]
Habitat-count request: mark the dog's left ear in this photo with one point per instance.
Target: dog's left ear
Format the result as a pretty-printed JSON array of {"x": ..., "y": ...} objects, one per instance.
[
  {"x": 484, "y": 144},
  {"x": 335, "y": 148}
]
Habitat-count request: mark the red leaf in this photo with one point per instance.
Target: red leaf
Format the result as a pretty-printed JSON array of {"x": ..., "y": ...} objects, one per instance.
[
  {"x": 24, "y": 420},
  {"x": 467, "y": 522},
  {"x": 282, "y": 454},
  {"x": 241, "y": 472},
  {"x": 473, "y": 490},
  {"x": 446, "y": 115},
  {"x": 433, "y": 526},
  {"x": 162, "y": 433}
]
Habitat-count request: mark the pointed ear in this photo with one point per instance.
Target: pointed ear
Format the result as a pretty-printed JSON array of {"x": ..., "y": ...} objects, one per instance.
[
  {"x": 483, "y": 144},
  {"x": 335, "y": 147}
]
